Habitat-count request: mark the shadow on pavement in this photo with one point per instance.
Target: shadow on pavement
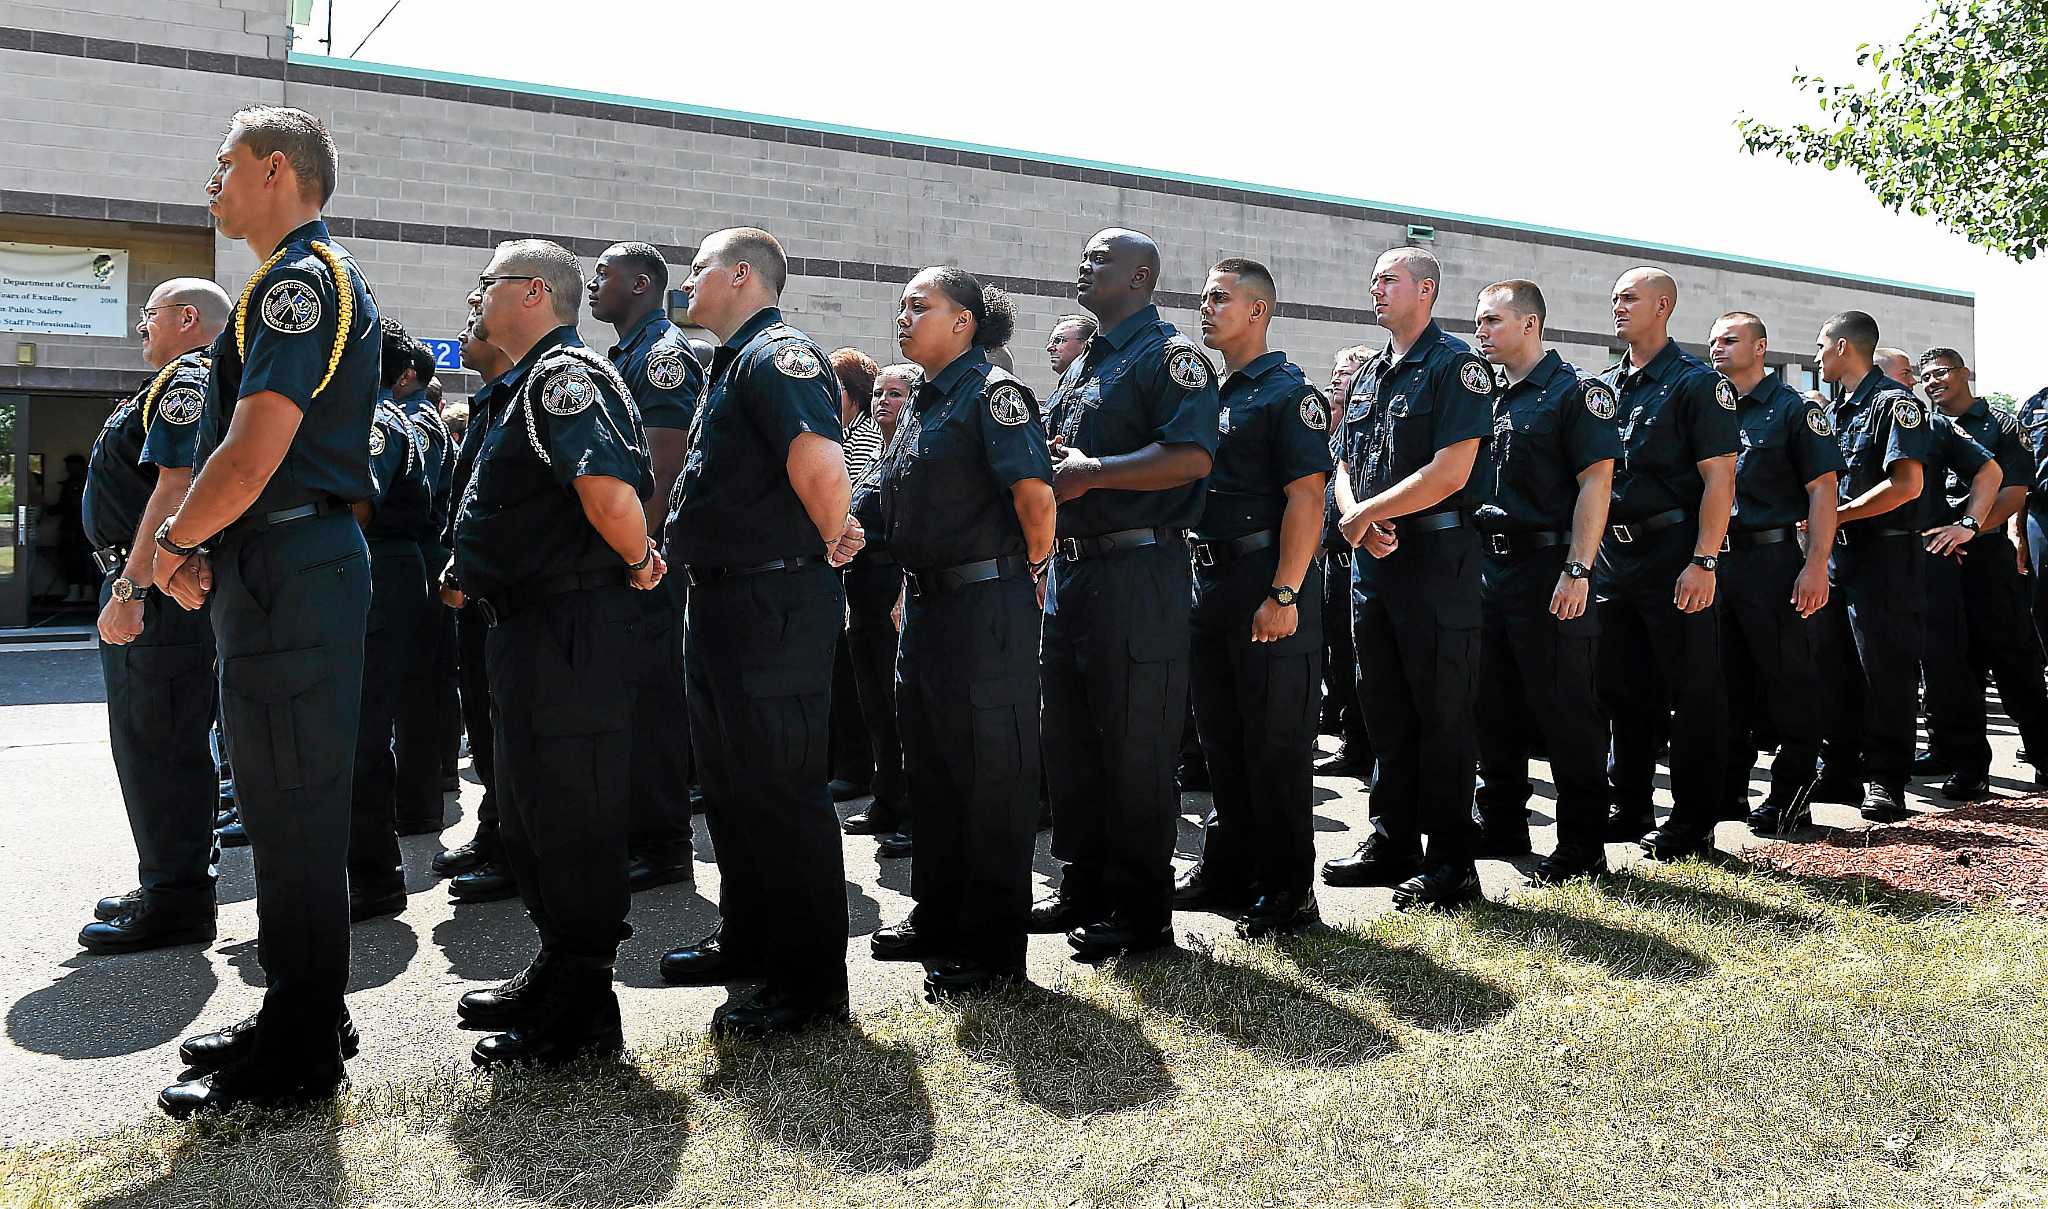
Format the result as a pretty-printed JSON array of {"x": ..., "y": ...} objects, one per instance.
[
  {"x": 596, "y": 1133},
  {"x": 379, "y": 950},
  {"x": 1070, "y": 1057},
  {"x": 834, "y": 1093},
  {"x": 107, "y": 1006}
]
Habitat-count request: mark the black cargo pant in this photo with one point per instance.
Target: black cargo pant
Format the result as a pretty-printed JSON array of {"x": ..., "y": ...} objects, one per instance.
[
  {"x": 478, "y": 720},
  {"x": 872, "y": 590},
  {"x": 290, "y": 607},
  {"x": 1114, "y": 673},
  {"x": 1773, "y": 661},
  {"x": 396, "y": 638},
  {"x": 1655, "y": 659},
  {"x": 1873, "y": 630},
  {"x": 659, "y": 818},
  {"x": 1978, "y": 621},
  {"x": 160, "y": 691},
  {"x": 1538, "y": 676},
  {"x": 1256, "y": 707},
  {"x": 419, "y": 725},
  {"x": 760, "y": 670},
  {"x": 1415, "y": 625},
  {"x": 966, "y": 698},
  {"x": 1340, "y": 659},
  {"x": 562, "y": 692}
]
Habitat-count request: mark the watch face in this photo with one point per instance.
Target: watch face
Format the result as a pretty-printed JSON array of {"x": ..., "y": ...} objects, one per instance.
[{"x": 124, "y": 588}]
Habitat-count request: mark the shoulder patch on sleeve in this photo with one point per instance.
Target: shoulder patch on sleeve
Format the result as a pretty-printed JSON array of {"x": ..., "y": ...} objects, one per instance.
[
  {"x": 1724, "y": 393},
  {"x": 180, "y": 405},
  {"x": 1907, "y": 413},
  {"x": 290, "y": 306},
  {"x": 797, "y": 361},
  {"x": 1314, "y": 412},
  {"x": 570, "y": 392},
  {"x": 1007, "y": 406},
  {"x": 1188, "y": 368},
  {"x": 377, "y": 445},
  {"x": 1818, "y": 421},
  {"x": 665, "y": 369},
  {"x": 1475, "y": 378},
  {"x": 1599, "y": 400}
]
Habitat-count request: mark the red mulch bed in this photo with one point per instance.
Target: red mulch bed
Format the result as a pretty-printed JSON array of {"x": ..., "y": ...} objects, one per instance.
[{"x": 1994, "y": 853}]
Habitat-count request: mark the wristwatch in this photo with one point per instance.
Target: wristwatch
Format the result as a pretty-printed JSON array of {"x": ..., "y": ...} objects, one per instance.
[
  {"x": 1707, "y": 562},
  {"x": 125, "y": 589},
  {"x": 1576, "y": 571},
  {"x": 1968, "y": 522},
  {"x": 644, "y": 558},
  {"x": 1284, "y": 597},
  {"x": 163, "y": 539}
]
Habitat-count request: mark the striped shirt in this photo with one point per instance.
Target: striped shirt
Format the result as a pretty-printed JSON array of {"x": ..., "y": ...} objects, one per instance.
[{"x": 863, "y": 445}]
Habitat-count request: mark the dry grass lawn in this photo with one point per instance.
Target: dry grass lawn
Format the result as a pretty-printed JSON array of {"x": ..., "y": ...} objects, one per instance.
[{"x": 1685, "y": 1036}]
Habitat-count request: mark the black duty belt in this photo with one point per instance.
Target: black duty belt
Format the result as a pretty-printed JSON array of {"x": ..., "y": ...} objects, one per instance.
[
  {"x": 1430, "y": 522},
  {"x": 1076, "y": 548},
  {"x": 1742, "y": 539},
  {"x": 1628, "y": 534},
  {"x": 701, "y": 573},
  {"x": 1845, "y": 535},
  {"x": 519, "y": 597},
  {"x": 1212, "y": 553},
  {"x": 110, "y": 559},
  {"x": 948, "y": 579},
  {"x": 257, "y": 522},
  {"x": 1505, "y": 544}
]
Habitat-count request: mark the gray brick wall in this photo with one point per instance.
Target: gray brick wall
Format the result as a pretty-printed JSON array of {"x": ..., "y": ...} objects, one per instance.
[{"x": 237, "y": 27}]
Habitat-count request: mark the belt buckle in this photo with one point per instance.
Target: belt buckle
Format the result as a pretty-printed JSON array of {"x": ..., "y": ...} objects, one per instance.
[
  {"x": 488, "y": 611},
  {"x": 1725, "y": 544},
  {"x": 912, "y": 581},
  {"x": 1622, "y": 534},
  {"x": 1497, "y": 543},
  {"x": 1344, "y": 558},
  {"x": 1205, "y": 556},
  {"x": 1841, "y": 536},
  {"x": 1069, "y": 548}
]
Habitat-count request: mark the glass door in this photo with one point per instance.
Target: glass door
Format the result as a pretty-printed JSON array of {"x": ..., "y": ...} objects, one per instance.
[{"x": 16, "y": 500}]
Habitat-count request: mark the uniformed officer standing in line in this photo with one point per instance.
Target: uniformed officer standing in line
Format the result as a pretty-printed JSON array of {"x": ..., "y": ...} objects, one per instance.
[
  {"x": 1069, "y": 339},
  {"x": 1341, "y": 707},
  {"x": 421, "y": 724},
  {"x": 157, "y": 659},
  {"x": 1660, "y": 642},
  {"x": 629, "y": 290},
  {"x": 1133, "y": 425},
  {"x": 283, "y": 453},
  {"x": 1878, "y": 575},
  {"x": 1982, "y": 591},
  {"x": 2030, "y": 529},
  {"x": 553, "y": 541},
  {"x": 1256, "y": 667},
  {"x": 1412, "y": 427},
  {"x": 759, "y": 519},
  {"x": 398, "y": 511},
  {"x": 963, "y": 500},
  {"x": 476, "y": 869},
  {"x": 1546, "y": 474},
  {"x": 1788, "y": 470}
]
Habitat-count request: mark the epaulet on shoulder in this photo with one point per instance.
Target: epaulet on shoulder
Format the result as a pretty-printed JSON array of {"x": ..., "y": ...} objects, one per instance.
[{"x": 997, "y": 375}]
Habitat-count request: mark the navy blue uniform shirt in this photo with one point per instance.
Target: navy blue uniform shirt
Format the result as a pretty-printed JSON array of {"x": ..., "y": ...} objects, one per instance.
[
  {"x": 939, "y": 496},
  {"x": 484, "y": 406},
  {"x": 402, "y": 505},
  {"x": 2033, "y": 418},
  {"x": 1547, "y": 429},
  {"x": 1402, "y": 413},
  {"x": 1787, "y": 442},
  {"x": 1676, "y": 412},
  {"x": 1272, "y": 428},
  {"x": 1139, "y": 383},
  {"x": 656, "y": 361},
  {"x": 1881, "y": 422},
  {"x": 733, "y": 505},
  {"x": 1999, "y": 436},
  {"x": 157, "y": 428},
  {"x": 282, "y": 338},
  {"x": 565, "y": 416},
  {"x": 437, "y": 457}
]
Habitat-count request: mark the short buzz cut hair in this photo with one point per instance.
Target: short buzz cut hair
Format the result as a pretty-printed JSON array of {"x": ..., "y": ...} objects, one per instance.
[
  {"x": 300, "y": 137},
  {"x": 1251, "y": 273},
  {"x": 1085, "y": 322},
  {"x": 551, "y": 263},
  {"x": 645, "y": 258},
  {"x": 1941, "y": 354},
  {"x": 756, "y": 248},
  {"x": 1748, "y": 319},
  {"x": 201, "y": 295},
  {"x": 1856, "y": 327},
  {"x": 1520, "y": 296},
  {"x": 1420, "y": 264}
]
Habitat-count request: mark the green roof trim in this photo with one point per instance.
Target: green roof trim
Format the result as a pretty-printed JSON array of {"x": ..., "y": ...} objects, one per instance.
[{"x": 607, "y": 98}]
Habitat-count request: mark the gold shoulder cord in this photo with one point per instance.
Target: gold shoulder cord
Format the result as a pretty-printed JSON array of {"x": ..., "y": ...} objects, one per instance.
[
  {"x": 155, "y": 389},
  {"x": 345, "y": 310}
]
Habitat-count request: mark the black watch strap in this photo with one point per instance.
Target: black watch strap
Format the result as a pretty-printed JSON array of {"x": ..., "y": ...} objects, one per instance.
[{"x": 163, "y": 539}]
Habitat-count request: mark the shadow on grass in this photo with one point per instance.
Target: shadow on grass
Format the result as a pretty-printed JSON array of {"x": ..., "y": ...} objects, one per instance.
[
  {"x": 1413, "y": 985},
  {"x": 1070, "y": 1057},
  {"x": 833, "y": 1092},
  {"x": 1255, "y": 1011},
  {"x": 1723, "y": 910},
  {"x": 285, "y": 1159},
  {"x": 1622, "y": 952},
  {"x": 597, "y": 1132}
]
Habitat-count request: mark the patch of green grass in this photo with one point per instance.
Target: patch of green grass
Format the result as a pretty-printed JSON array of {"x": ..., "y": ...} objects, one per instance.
[{"x": 1688, "y": 1036}]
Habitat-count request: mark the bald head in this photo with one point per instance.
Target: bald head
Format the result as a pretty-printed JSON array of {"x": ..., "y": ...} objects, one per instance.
[
  {"x": 1119, "y": 273},
  {"x": 201, "y": 295},
  {"x": 1644, "y": 299},
  {"x": 1655, "y": 283},
  {"x": 182, "y": 314}
]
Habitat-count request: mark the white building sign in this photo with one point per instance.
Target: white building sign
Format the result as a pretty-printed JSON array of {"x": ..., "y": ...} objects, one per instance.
[{"x": 64, "y": 291}]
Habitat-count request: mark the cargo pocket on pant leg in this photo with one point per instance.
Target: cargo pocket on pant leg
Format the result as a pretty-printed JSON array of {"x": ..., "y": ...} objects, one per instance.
[
  {"x": 276, "y": 720},
  {"x": 998, "y": 730}
]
